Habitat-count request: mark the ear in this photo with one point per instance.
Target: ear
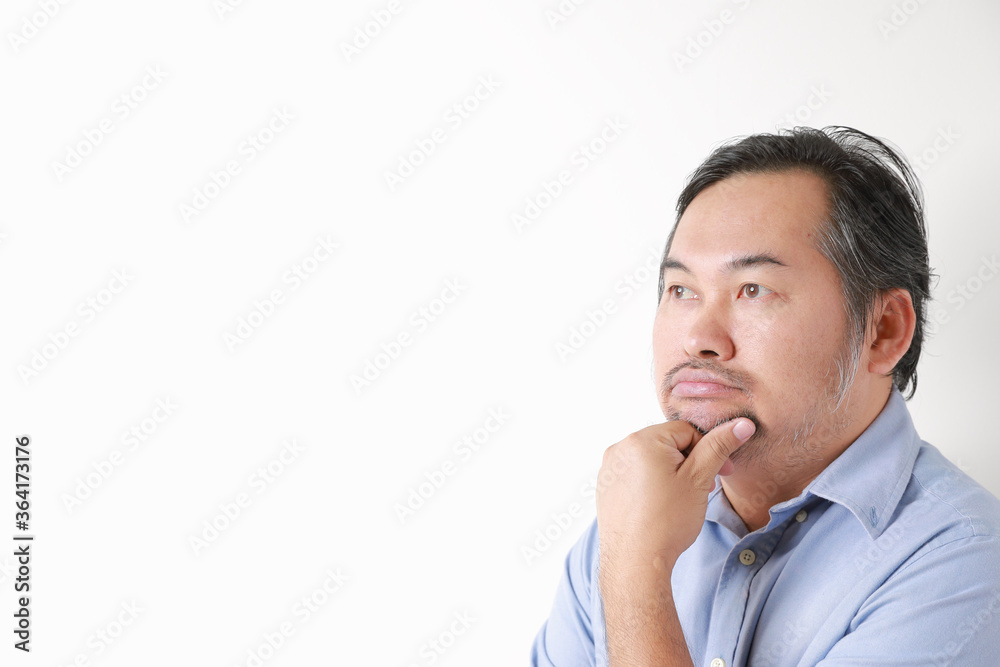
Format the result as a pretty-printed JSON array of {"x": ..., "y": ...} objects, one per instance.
[{"x": 894, "y": 325}]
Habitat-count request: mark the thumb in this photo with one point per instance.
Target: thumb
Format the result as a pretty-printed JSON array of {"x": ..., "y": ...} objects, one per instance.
[{"x": 714, "y": 448}]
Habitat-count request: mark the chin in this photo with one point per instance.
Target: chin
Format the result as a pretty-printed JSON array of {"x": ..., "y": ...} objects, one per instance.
[
  {"x": 702, "y": 415},
  {"x": 705, "y": 416}
]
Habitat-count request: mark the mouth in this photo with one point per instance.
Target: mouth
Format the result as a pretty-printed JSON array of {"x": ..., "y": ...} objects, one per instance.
[{"x": 701, "y": 384}]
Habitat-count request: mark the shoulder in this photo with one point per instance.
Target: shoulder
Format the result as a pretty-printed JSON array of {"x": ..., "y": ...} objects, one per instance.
[{"x": 947, "y": 500}]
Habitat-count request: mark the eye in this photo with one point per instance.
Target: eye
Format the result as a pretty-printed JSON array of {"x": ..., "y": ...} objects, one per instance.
[
  {"x": 754, "y": 291},
  {"x": 680, "y": 292}
]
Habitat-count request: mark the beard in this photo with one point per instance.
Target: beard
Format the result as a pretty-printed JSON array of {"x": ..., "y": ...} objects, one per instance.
[{"x": 770, "y": 447}]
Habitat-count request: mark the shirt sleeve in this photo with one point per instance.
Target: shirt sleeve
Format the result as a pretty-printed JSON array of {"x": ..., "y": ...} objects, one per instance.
[
  {"x": 566, "y": 639},
  {"x": 941, "y": 609}
]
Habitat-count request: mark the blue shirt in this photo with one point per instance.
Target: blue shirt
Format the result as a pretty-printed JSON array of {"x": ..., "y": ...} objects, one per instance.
[{"x": 890, "y": 556}]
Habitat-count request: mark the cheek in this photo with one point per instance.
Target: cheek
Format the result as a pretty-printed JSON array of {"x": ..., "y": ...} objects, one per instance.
[
  {"x": 793, "y": 355},
  {"x": 668, "y": 340}
]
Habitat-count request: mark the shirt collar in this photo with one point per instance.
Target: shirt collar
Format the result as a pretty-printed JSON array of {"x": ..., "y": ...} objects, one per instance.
[{"x": 868, "y": 478}]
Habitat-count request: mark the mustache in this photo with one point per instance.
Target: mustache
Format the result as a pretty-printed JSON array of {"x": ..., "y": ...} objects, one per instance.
[{"x": 737, "y": 379}]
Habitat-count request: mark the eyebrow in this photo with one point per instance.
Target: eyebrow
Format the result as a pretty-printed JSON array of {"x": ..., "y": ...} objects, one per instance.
[{"x": 735, "y": 264}]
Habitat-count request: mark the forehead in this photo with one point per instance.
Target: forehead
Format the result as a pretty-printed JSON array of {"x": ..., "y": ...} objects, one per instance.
[{"x": 749, "y": 213}]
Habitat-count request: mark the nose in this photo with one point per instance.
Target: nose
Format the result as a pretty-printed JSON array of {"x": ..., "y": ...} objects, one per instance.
[{"x": 708, "y": 336}]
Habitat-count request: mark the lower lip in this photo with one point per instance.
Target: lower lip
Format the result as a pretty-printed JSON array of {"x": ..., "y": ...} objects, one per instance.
[{"x": 702, "y": 389}]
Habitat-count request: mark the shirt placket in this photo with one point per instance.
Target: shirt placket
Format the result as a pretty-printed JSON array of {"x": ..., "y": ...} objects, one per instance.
[{"x": 730, "y": 615}]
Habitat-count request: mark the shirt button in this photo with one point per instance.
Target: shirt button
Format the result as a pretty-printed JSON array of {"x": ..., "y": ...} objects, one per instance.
[
  {"x": 747, "y": 557},
  {"x": 718, "y": 662},
  {"x": 801, "y": 516}
]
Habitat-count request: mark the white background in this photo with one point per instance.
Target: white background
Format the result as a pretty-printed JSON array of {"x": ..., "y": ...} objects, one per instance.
[{"x": 909, "y": 72}]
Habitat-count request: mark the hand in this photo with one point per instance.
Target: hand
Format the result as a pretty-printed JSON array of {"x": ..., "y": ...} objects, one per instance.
[{"x": 652, "y": 492}]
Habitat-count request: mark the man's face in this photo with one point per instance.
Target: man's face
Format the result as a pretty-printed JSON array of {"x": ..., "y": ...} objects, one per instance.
[{"x": 752, "y": 320}]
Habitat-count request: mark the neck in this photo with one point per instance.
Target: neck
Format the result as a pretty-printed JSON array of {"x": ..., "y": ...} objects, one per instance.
[{"x": 756, "y": 486}]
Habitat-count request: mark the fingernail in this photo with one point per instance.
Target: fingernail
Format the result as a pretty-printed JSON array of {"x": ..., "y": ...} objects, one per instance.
[{"x": 744, "y": 429}]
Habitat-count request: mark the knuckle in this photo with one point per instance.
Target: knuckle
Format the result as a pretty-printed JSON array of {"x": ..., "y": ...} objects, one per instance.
[
  {"x": 610, "y": 454},
  {"x": 723, "y": 444},
  {"x": 720, "y": 449},
  {"x": 632, "y": 444}
]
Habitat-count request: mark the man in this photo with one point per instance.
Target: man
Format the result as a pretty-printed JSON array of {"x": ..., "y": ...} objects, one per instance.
[{"x": 787, "y": 513}]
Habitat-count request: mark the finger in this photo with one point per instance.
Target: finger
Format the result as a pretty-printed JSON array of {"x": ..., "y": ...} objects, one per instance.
[
  {"x": 714, "y": 448},
  {"x": 696, "y": 435},
  {"x": 674, "y": 434},
  {"x": 677, "y": 433}
]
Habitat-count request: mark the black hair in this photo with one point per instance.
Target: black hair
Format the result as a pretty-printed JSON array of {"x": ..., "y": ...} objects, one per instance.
[{"x": 875, "y": 234}]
